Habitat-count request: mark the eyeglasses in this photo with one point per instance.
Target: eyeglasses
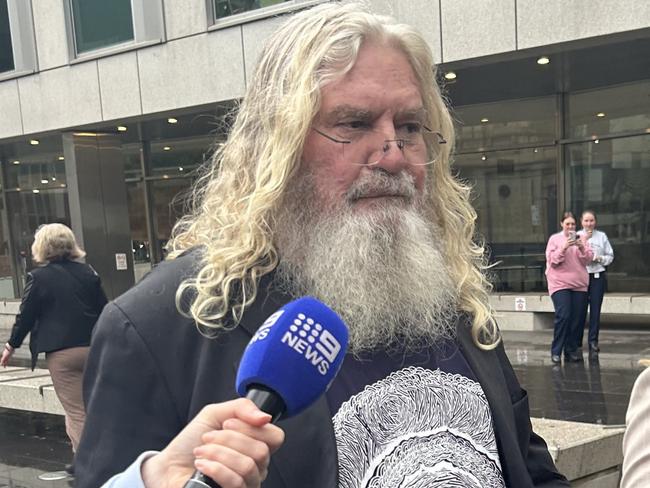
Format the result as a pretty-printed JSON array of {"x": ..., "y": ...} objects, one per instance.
[{"x": 411, "y": 140}]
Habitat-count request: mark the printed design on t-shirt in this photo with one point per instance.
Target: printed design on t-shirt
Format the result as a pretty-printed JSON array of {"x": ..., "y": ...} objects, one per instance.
[{"x": 417, "y": 428}]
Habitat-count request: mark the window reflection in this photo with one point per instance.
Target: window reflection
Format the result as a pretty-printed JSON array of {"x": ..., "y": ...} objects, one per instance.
[
  {"x": 505, "y": 124},
  {"x": 27, "y": 211},
  {"x": 177, "y": 158},
  {"x": 98, "y": 23},
  {"x": 132, "y": 166},
  {"x": 168, "y": 201},
  {"x": 6, "y": 48},
  {"x": 515, "y": 198},
  {"x": 612, "y": 178},
  {"x": 138, "y": 224},
  {"x": 611, "y": 110},
  {"x": 6, "y": 275},
  {"x": 36, "y": 193},
  {"x": 226, "y": 8}
]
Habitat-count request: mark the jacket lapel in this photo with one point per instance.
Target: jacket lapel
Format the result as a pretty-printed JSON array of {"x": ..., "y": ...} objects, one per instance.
[
  {"x": 308, "y": 456},
  {"x": 488, "y": 369}
]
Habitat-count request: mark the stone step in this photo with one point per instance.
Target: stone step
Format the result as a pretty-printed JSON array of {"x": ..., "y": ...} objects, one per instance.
[{"x": 589, "y": 455}]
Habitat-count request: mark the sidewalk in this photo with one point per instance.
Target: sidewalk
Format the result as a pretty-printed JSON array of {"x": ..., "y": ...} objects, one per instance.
[{"x": 595, "y": 391}]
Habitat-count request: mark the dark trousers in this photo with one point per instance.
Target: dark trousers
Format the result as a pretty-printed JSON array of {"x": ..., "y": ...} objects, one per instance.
[
  {"x": 569, "y": 318},
  {"x": 595, "y": 293}
]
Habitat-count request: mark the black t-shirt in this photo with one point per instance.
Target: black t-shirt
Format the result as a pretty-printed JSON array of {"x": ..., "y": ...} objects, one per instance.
[{"x": 418, "y": 420}]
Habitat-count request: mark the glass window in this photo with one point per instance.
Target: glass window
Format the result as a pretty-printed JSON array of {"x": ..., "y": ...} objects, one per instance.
[
  {"x": 132, "y": 166},
  {"x": 612, "y": 178},
  {"x": 6, "y": 47},
  {"x": 505, "y": 123},
  {"x": 181, "y": 157},
  {"x": 138, "y": 224},
  {"x": 515, "y": 198},
  {"x": 226, "y": 8},
  {"x": 6, "y": 276},
  {"x": 36, "y": 192},
  {"x": 98, "y": 23},
  {"x": 609, "y": 110},
  {"x": 35, "y": 166},
  {"x": 168, "y": 202}
]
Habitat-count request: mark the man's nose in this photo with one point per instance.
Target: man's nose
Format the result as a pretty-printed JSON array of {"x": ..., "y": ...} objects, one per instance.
[{"x": 391, "y": 156}]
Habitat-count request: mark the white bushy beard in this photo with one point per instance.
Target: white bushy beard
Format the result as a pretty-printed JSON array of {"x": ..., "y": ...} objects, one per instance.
[{"x": 382, "y": 269}]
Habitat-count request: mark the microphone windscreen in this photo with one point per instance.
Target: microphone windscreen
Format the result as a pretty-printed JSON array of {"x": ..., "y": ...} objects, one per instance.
[{"x": 296, "y": 353}]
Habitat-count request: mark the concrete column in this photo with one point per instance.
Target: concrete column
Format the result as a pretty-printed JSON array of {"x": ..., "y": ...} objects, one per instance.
[{"x": 98, "y": 206}]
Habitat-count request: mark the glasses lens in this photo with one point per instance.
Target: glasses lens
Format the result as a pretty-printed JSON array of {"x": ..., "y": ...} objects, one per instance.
[{"x": 367, "y": 148}]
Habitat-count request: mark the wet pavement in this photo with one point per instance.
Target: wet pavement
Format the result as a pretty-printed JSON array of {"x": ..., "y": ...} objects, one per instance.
[
  {"x": 594, "y": 391},
  {"x": 32, "y": 444}
]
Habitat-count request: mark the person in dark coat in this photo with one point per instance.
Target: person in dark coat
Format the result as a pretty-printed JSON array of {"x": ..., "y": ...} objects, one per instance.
[
  {"x": 62, "y": 300},
  {"x": 335, "y": 182}
]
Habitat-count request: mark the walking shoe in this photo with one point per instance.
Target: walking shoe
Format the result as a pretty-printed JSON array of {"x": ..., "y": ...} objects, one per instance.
[
  {"x": 573, "y": 357},
  {"x": 593, "y": 347},
  {"x": 555, "y": 359}
]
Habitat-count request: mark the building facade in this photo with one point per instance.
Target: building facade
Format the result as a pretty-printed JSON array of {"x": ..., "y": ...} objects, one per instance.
[{"x": 107, "y": 110}]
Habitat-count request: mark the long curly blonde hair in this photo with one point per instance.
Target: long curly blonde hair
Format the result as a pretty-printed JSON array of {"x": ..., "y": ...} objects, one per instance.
[{"x": 234, "y": 203}]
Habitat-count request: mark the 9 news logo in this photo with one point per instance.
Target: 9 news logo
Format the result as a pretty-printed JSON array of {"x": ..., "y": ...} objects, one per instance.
[
  {"x": 265, "y": 328},
  {"x": 312, "y": 341}
]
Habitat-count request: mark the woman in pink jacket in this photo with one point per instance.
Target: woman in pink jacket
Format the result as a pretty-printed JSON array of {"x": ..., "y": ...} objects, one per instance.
[{"x": 566, "y": 258}]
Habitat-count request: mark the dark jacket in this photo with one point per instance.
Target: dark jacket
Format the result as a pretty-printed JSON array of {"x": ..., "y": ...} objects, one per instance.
[
  {"x": 149, "y": 372},
  {"x": 60, "y": 307}
]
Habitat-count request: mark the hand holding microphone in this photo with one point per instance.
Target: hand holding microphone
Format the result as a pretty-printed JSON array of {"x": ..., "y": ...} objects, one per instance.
[
  {"x": 229, "y": 436},
  {"x": 288, "y": 364}
]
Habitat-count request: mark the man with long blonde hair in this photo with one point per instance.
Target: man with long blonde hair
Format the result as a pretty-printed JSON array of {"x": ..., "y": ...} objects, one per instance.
[{"x": 335, "y": 182}]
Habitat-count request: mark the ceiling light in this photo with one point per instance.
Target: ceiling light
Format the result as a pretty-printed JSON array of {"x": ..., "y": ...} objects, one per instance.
[
  {"x": 18, "y": 189},
  {"x": 167, "y": 148},
  {"x": 53, "y": 178},
  {"x": 535, "y": 150},
  {"x": 450, "y": 75},
  {"x": 172, "y": 120},
  {"x": 61, "y": 158},
  {"x": 34, "y": 142},
  {"x": 62, "y": 185},
  {"x": 36, "y": 190},
  {"x": 543, "y": 60},
  {"x": 165, "y": 177},
  {"x": 122, "y": 128},
  {"x": 484, "y": 120},
  {"x": 180, "y": 168},
  {"x": 596, "y": 141},
  {"x": 600, "y": 114},
  {"x": 45, "y": 181},
  {"x": 483, "y": 158},
  {"x": 16, "y": 162}
]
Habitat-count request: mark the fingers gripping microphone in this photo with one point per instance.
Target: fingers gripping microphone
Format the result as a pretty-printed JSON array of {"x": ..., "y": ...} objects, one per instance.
[{"x": 289, "y": 363}]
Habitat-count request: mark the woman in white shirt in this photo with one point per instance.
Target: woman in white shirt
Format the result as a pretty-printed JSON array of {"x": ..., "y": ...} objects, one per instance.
[{"x": 603, "y": 257}]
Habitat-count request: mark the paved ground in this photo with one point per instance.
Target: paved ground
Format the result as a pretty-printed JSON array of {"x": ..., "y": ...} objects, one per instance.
[{"x": 595, "y": 391}]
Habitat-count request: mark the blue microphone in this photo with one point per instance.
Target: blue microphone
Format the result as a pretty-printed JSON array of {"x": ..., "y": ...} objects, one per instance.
[{"x": 289, "y": 363}]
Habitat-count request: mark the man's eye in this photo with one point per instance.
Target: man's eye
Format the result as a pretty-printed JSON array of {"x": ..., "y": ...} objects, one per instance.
[
  {"x": 412, "y": 127},
  {"x": 355, "y": 124}
]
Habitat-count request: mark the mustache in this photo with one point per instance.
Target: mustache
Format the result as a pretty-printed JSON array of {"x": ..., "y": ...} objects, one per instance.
[{"x": 381, "y": 183}]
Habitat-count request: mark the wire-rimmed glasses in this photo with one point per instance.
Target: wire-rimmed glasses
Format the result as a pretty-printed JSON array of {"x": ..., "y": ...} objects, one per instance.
[{"x": 410, "y": 139}]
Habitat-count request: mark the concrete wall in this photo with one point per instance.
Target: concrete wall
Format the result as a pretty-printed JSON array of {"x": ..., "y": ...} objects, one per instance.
[{"x": 197, "y": 65}]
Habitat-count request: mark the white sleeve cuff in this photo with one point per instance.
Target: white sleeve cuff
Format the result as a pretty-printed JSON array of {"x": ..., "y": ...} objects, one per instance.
[{"x": 131, "y": 477}]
